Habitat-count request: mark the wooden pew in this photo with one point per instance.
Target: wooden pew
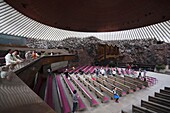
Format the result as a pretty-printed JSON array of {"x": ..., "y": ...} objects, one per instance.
[
  {"x": 117, "y": 84},
  {"x": 120, "y": 85},
  {"x": 91, "y": 88},
  {"x": 85, "y": 93},
  {"x": 167, "y": 88},
  {"x": 163, "y": 96},
  {"x": 101, "y": 87},
  {"x": 155, "y": 107},
  {"x": 104, "y": 78},
  {"x": 100, "y": 80},
  {"x": 110, "y": 86},
  {"x": 88, "y": 70},
  {"x": 66, "y": 107},
  {"x": 60, "y": 100},
  {"x": 98, "y": 94},
  {"x": 69, "y": 89},
  {"x": 160, "y": 101},
  {"x": 77, "y": 71},
  {"x": 85, "y": 68},
  {"x": 120, "y": 91},
  {"x": 139, "y": 84},
  {"x": 88, "y": 79},
  {"x": 132, "y": 86},
  {"x": 96, "y": 84},
  {"x": 137, "y": 109},
  {"x": 145, "y": 83},
  {"x": 106, "y": 90},
  {"x": 81, "y": 105},
  {"x": 164, "y": 91}
]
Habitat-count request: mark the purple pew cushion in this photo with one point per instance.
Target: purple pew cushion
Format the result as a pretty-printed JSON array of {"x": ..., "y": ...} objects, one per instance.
[
  {"x": 81, "y": 105},
  {"x": 66, "y": 107},
  {"x": 123, "y": 93},
  {"x": 105, "y": 99}
]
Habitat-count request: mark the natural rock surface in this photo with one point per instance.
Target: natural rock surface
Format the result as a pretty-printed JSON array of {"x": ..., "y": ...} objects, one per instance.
[{"x": 131, "y": 51}]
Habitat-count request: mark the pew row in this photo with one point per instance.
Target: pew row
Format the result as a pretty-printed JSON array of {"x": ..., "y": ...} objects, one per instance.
[
  {"x": 81, "y": 68},
  {"x": 137, "y": 109},
  {"x": 161, "y": 95},
  {"x": 66, "y": 106},
  {"x": 167, "y": 88},
  {"x": 161, "y": 101},
  {"x": 91, "y": 88},
  {"x": 120, "y": 85},
  {"x": 110, "y": 86},
  {"x": 165, "y": 91},
  {"x": 59, "y": 97},
  {"x": 155, "y": 107},
  {"x": 81, "y": 105},
  {"x": 91, "y": 100},
  {"x": 145, "y": 83},
  {"x": 100, "y": 86},
  {"x": 88, "y": 70},
  {"x": 93, "y": 70},
  {"x": 72, "y": 71},
  {"x": 127, "y": 89},
  {"x": 139, "y": 84},
  {"x": 131, "y": 85}
]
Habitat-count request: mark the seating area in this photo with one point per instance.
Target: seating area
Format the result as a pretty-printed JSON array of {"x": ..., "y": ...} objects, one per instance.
[
  {"x": 131, "y": 85},
  {"x": 92, "y": 89},
  {"x": 125, "y": 88},
  {"x": 125, "y": 73},
  {"x": 101, "y": 86},
  {"x": 159, "y": 103},
  {"x": 120, "y": 91},
  {"x": 86, "y": 94}
]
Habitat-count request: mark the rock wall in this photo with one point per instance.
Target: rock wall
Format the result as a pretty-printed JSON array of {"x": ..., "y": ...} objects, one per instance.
[{"x": 133, "y": 51}]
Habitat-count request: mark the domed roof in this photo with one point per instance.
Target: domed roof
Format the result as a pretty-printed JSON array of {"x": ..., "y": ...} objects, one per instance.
[{"x": 94, "y": 15}]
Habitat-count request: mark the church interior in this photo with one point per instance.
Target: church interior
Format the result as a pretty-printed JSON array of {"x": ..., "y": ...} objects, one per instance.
[{"x": 84, "y": 56}]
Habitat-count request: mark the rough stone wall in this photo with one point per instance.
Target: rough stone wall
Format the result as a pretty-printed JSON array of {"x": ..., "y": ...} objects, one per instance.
[{"x": 134, "y": 51}]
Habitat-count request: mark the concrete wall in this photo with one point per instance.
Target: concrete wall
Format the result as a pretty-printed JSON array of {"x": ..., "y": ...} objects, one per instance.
[{"x": 58, "y": 65}]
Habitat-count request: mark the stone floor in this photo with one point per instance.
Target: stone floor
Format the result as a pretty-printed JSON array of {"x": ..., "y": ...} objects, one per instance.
[{"x": 127, "y": 101}]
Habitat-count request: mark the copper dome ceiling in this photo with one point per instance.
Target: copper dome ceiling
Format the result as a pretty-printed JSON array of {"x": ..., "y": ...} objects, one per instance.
[{"x": 94, "y": 15}]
